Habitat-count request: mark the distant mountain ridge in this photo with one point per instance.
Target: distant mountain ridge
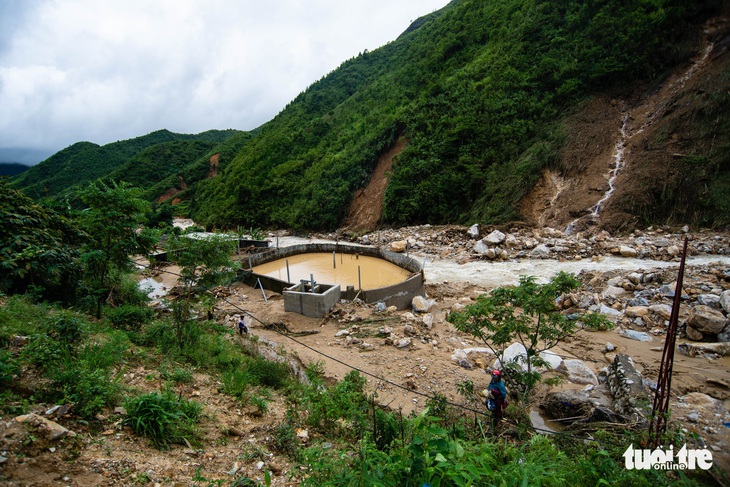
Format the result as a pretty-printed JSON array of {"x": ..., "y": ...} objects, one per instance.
[
  {"x": 75, "y": 166},
  {"x": 501, "y": 110},
  {"x": 12, "y": 168}
]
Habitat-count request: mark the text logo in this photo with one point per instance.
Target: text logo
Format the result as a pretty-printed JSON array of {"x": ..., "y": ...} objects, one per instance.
[{"x": 685, "y": 459}]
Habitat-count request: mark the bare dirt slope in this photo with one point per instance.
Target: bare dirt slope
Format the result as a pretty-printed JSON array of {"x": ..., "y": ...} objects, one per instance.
[
  {"x": 641, "y": 132},
  {"x": 367, "y": 206}
]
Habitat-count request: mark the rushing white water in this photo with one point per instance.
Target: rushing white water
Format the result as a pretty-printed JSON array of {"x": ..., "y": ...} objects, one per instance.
[
  {"x": 494, "y": 274},
  {"x": 618, "y": 163}
]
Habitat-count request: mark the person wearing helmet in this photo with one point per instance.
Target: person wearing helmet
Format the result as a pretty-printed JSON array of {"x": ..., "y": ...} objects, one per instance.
[{"x": 498, "y": 393}]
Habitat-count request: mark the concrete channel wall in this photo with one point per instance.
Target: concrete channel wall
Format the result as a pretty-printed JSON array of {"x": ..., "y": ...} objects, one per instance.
[{"x": 399, "y": 295}]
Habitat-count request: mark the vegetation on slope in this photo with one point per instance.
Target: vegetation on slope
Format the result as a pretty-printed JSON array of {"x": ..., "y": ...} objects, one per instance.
[
  {"x": 477, "y": 89},
  {"x": 76, "y": 166}
]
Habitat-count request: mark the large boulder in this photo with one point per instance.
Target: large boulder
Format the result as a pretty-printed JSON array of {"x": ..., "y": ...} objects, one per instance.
[
  {"x": 578, "y": 372},
  {"x": 636, "y": 311},
  {"x": 626, "y": 386},
  {"x": 495, "y": 238},
  {"x": 541, "y": 251},
  {"x": 399, "y": 246},
  {"x": 515, "y": 353},
  {"x": 553, "y": 359},
  {"x": 567, "y": 404},
  {"x": 627, "y": 251},
  {"x": 706, "y": 320}
]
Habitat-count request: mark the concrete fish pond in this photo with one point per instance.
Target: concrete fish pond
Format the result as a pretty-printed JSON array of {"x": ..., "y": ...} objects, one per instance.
[{"x": 314, "y": 277}]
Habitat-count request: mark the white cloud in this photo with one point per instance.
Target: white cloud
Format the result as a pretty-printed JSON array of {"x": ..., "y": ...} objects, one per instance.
[{"x": 103, "y": 71}]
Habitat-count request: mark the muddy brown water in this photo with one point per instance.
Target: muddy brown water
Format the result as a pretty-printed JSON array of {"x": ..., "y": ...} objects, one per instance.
[{"x": 359, "y": 271}]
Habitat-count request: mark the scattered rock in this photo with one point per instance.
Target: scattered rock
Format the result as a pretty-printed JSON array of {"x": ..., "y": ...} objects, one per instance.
[
  {"x": 50, "y": 429},
  {"x": 706, "y": 320},
  {"x": 693, "y": 349},
  {"x": 421, "y": 304},
  {"x": 641, "y": 336},
  {"x": 627, "y": 251}
]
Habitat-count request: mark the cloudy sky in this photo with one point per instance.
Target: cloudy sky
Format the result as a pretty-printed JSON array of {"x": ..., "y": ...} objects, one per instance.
[{"x": 108, "y": 70}]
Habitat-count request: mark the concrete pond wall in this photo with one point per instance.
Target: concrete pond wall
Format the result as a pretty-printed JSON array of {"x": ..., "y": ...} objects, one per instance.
[{"x": 399, "y": 295}]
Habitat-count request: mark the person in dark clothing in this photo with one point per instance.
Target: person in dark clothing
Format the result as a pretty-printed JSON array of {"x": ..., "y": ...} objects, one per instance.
[
  {"x": 242, "y": 328},
  {"x": 497, "y": 393}
]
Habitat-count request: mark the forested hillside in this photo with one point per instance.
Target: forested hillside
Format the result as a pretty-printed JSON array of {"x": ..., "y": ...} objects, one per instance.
[
  {"x": 143, "y": 161},
  {"x": 478, "y": 89},
  {"x": 484, "y": 95}
]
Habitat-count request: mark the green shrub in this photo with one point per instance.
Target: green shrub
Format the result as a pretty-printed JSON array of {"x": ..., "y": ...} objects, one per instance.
[
  {"x": 9, "y": 368},
  {"x": 20, "y": 316},
  {"x": 285, "y": 438},
  {"x": 162, "y": 418},
  {"x": 88, "y": 389},
  {"x": 257, "y": 371},
  {"x": 178, "y": 375},
  {"x": 345, "y": 401},
  {"x": 130, "y": 317},
  {"x": 43, "y": 352},
  {"x": 105, "y": 352},
  {"x": 67, "y": 329}
]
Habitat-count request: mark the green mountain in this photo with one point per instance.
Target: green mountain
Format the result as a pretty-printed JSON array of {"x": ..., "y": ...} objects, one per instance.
[
  {"x": 143, "y": 161},
  {"x": 479, "y": 89},
  {"x": 485, "y": 101},
  {"x": 12, "y": 168}
]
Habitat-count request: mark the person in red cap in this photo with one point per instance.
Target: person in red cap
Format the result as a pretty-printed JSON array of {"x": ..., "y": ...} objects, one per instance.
[{"x": 497, "y": 394}]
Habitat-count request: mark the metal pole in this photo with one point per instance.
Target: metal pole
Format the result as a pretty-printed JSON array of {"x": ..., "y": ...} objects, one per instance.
[
  {"x": 262, "y": 290},
  {"x": 660, "y": 407},
  {"x": 277, "y": 241},
  {"x": 359, "y": 281},
  {"x": 311, "y": 279},
  {"x": 334, "y": 260},
  {"x": 288, "y": 279},
  {"x": 249, "y": 262}
]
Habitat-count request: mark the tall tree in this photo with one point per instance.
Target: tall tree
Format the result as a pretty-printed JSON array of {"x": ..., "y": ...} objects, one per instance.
[
  {"x": 112, "y": 218},
  {"x": 527, "y": 313},
  {"x": 204, "y": 261},
  {"x": 38, "y": 247}
]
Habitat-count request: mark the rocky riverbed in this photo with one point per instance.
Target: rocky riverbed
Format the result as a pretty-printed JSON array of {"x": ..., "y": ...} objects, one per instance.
[{"x": 630, "y": 279}]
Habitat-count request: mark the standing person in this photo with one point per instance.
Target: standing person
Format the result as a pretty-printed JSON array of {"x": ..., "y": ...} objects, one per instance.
[
  {"x": 498, "y": 394},
  {"x": 242, "y": 328}
]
